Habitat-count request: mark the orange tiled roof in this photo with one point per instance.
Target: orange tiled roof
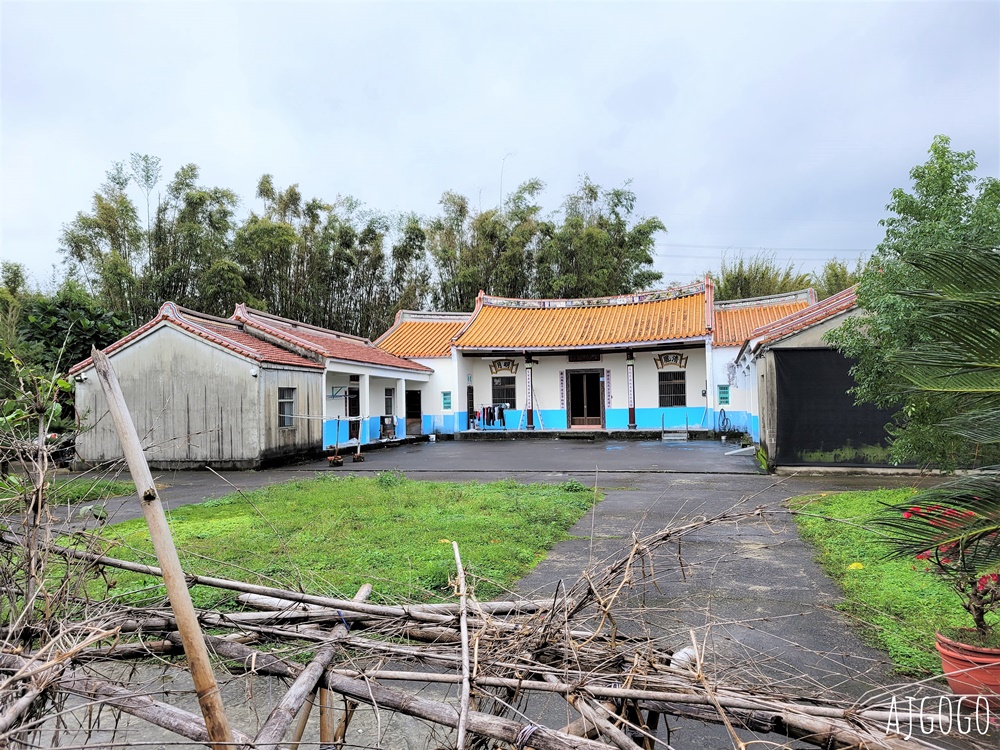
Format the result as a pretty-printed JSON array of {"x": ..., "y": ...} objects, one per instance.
[
  {"x": 418, "y": 334},
  {"x": 735, "y": 320},
  {"x": 217, "y": 331},
  {"x": 648, "y": 317},
  {"x": 322, "y": 341},
  {"x": 839, "y": 303}
]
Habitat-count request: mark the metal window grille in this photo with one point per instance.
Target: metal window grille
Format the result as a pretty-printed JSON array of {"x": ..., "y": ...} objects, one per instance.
[
  {"x": 505, "y": 390},
  {"x": 672, "y": 389},
  {"x": 390, "y": 400},
  {"x": 286, "y": 407},
  {"x": 446, "y": 400},
  {"x": 723, "y": 395}
]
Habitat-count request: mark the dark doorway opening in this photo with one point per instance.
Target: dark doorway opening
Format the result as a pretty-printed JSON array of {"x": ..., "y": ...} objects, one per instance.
[
  {"x": 585, "y": 398},
  {"x": 470, "y": 405},
  {"x": 414, "y": 414},
  {"x": 353, "y": 410}
]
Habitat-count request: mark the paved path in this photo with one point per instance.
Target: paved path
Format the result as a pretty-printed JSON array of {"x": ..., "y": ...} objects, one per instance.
[{"x": 752, "y": 591}]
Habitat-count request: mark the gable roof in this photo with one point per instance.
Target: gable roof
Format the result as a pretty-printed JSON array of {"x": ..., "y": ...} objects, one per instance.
[
  {"x": 822, "y": 311},
  {"x": 321, "y": 341},
  {"x": 735, "y": 320},
  {"x": 219, "y": 331},
  {"x": 422, "y": 334},
  {"x": 547, "y": 324}
]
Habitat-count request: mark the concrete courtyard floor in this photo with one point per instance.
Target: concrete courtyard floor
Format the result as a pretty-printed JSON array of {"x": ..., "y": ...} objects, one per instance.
[{"x": 751, "y": 592}]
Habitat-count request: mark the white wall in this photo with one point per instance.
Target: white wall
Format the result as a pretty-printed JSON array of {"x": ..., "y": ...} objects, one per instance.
[
  {"x": 191, "y": 401},
  {"x": 647, "y": 380},
  {"x": 549, "y": 396}
]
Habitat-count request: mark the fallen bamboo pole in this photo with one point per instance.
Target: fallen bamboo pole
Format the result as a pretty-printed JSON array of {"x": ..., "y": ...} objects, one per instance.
[
  {"x": 282, "y": 715},
  {"x": 163, "y": 715},
  {"x": 655, "y": 698},
  {"x": 209, "y": 696},
  {"x": 369, "y": 693},
  {"x": 432, "y": 613}
]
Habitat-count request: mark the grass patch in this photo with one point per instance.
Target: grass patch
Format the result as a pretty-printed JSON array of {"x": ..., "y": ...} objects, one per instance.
[
  {"x": 332, "y": 534},
  {"x": 80, "y": 489},
  {"x": 61, "y": 491},
  {"x": 899, "y": 602}
]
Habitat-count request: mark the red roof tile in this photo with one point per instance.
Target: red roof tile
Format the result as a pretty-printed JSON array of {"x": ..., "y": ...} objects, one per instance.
[
  {"x": 735, "y": 320},
  {"x": 217, "y": 331},
  {"x": 327, "y": 343},
  {"x": 799, "y": 321}
]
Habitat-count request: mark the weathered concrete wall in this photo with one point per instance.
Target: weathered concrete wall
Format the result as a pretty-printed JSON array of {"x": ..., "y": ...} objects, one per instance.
[
  {"x": 306, "y": 433},
  {"x": 193, "y": 403}
]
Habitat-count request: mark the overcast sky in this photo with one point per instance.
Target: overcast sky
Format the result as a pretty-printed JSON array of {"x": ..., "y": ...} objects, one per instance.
[{"x": 741, "y": 125}]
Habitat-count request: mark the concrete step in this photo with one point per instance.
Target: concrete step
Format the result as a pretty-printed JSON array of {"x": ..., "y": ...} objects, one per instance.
[{"x": 674, "y": 435}]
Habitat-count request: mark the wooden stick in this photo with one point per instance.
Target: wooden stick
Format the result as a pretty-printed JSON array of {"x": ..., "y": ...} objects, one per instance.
[
  {"x": 340, "y": 736},
  {"x": 209, "y": 697},
  {"x": 302, "y": 723},
  {"x": 327, "y": 717},
  {"x": 464, "y": 628},
  {"x": 282, "y": 714},
  {"x": 370, "y": 693},
  {"x": 156, "y": 712},
  {"x": 433, "y": 613}
]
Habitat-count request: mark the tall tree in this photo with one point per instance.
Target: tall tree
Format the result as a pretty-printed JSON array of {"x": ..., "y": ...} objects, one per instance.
[
  {"x": 835, "y": 277},
  {"x": 192, "y": 245},
  {"x": 493, "y": 250},
  {"x": 145, "y": 172},
  {"x": 601, "y": 248},
  {"x": 757, "y": 276},
  {"x": 948, "y": 209},
  {"x": 107, "y": 246}
]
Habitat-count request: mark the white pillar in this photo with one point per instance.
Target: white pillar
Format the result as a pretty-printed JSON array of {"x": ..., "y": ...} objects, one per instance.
[
  {"x": 711, "y": 392},
  {"x": 399, "y": 406},
  {"x": 365, "y": 406}
]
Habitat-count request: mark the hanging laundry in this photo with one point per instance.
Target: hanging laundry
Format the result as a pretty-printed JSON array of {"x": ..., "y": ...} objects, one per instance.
[{"x": 500, "y": 416}]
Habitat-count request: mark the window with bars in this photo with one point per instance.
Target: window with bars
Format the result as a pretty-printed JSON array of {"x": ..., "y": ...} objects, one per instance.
[
  {"x": 504, "y": 391},
  {"x": 286, "y": 408},
  {"x": 446, "y": 400},
  {"x": 672, "y": 389},
  {"x": 390, "y": 401},
  {"x": 723, "y": 395}
]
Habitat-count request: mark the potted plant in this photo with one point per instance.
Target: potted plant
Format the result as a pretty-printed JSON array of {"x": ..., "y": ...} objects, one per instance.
[{"x": 956, "y": 535}]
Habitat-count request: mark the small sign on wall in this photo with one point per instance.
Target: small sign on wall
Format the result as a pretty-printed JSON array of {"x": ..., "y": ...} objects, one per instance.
[
  {"x": 503, "y": 365},
  {"x": 670, "y": 358}
]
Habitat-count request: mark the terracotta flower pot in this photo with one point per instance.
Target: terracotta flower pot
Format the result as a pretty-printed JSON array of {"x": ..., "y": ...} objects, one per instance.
[{"x": 970, "y": 670}]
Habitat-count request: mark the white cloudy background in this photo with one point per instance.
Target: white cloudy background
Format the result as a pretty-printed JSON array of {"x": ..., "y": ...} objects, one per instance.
[{"x": 741, "y": 125}]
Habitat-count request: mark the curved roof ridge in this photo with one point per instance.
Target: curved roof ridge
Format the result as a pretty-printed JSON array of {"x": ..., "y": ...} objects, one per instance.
[
  {"x": 251, "y": 313},
  {"x": 784, "y": 297},
  {"x": 489, "y": 300}
]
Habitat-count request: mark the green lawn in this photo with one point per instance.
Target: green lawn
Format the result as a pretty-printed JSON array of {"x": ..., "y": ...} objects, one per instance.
[
  {"x": 898, "y": 603},
  {"x": 62, "y": 491},
  {"x": 332, "y": 534}
]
